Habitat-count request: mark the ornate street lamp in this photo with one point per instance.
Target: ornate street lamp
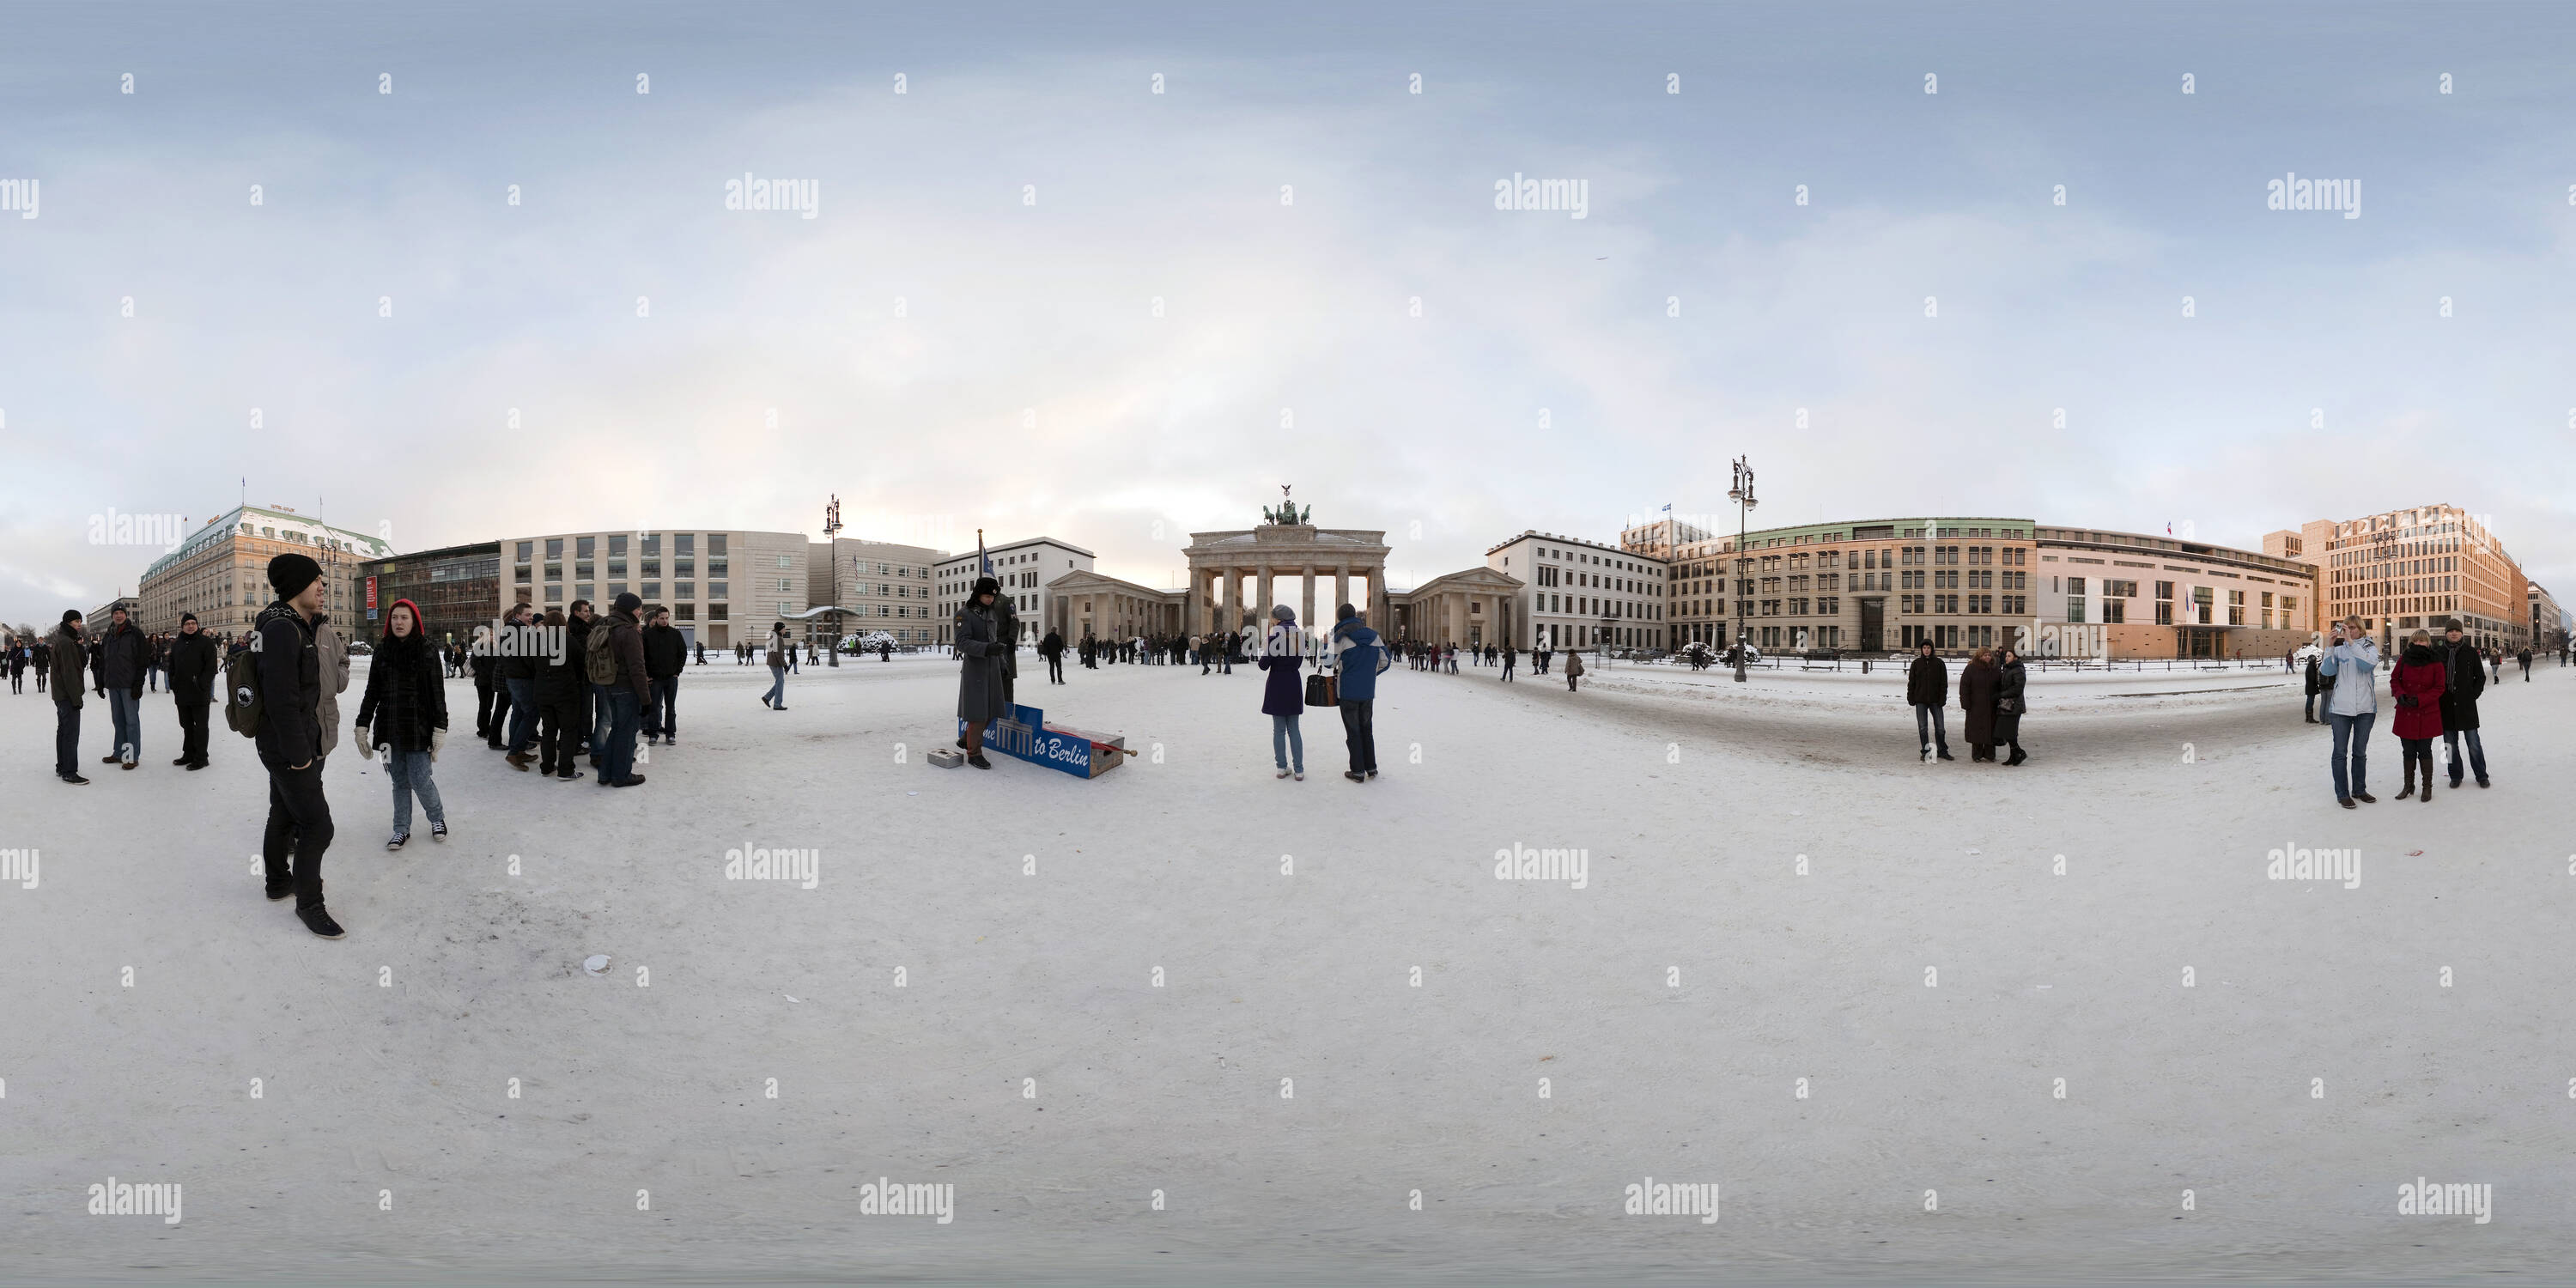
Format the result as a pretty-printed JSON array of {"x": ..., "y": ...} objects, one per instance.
[
  {"x": 832, "y": 529},
  {"x": 1742, "y": 495}
]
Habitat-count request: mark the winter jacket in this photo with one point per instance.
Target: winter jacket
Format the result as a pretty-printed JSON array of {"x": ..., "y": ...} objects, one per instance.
[
  {"x": 1977, "y": 688},
  {"x": 123, "y": 657},
  {"x": 778, "y": 647},
  {"x": 666, "y": 652},
  {"x": 406, "y": 695},
  {"x": 626, "y": 641},
  {"x": 2010, "y": 682},
  {"x": 290, "y": 688},
  {"x": 2356, "y": 687},
  {"x": 979, "y": 677},
  {"x": 68, "y": 661},
  {"x": 2468, "y": 680},
  {"x": 194, "y": 669},
  {"x": 2316, "y": 682},
  {"x": 520, "y": 663},
  {"x": 1358, "y": 656},
  {"x": 333, "y": 653},
  {"x": 2419, "y": 675},
  {"x": 1006, "y": 628},
  {"x": 1927, "y": 682},
  {"x": 1574, "y": 664},
  {"x": 1053, "y": 645},
  {"x": 1283, "y": 694},
  {"x": 567, "y": 680}
]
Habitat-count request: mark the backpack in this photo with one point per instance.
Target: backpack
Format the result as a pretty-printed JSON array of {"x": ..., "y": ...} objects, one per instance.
[
  {"x": 241, "y": 690},
  {"x": 598, "y": 661}
]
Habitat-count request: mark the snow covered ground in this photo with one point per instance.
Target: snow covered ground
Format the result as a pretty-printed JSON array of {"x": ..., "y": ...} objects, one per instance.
[{"x": 1190, "y": 1023}]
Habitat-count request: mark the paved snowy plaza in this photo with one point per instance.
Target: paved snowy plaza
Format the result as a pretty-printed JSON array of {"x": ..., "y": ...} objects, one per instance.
[{"x": 1191, "y": 1018}]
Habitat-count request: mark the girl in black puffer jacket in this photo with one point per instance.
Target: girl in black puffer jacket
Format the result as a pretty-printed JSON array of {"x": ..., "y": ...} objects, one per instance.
[{"x": 405, "y": 712}]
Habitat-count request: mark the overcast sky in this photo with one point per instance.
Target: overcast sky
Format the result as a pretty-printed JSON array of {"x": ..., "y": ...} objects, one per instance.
[{"x": 1287, "y": 199}]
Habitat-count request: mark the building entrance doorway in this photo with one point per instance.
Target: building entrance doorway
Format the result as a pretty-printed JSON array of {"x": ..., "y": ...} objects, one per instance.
[{"x": 1873, "y": 625}]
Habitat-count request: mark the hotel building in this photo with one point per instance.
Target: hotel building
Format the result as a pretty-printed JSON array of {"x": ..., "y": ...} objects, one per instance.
[
  {"x": 2406, "y": 570},
  {"x": 221, "y": 572}
]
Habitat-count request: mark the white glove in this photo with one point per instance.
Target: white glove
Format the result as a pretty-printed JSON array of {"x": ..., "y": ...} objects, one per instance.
[
  {"x": 366, "y": 742},
  {"x": 437, "y": 739}
]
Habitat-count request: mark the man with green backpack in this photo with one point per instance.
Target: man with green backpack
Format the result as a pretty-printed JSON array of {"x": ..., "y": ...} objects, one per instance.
[{"x": 274, "y": 695}]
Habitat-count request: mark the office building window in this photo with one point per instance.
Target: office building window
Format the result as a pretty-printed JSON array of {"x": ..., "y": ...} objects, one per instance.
[
  {"x": 617, "y": 546},
  {"x": 684, "y": 543},
  {"x": 684, "y": 590},
  {"x": 585, "y": 547},
  {"x": 716, "y": 543}
]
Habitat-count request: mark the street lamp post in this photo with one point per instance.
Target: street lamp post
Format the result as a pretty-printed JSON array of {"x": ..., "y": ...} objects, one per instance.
[
  {"x": 831, "y": 530},
  {"x": 1742, "y": 495}
]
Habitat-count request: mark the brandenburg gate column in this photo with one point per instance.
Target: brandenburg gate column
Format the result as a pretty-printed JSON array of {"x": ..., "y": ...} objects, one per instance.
[
  {"x": 1229, "y": 613},
  {"x": 1341, "y": 586},
  {"x": 1306, "y": 618},
  {"x": 1261, "y": 608}
]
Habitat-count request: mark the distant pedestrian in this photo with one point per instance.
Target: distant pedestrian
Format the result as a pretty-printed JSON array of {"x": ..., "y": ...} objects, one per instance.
[
  {"x": 404, "y": 711},
  {"x": 1927, "y": 689},
  {"x": 1977, "y": 684},
  {"x": 1052, "y": 649},
  {"x": 776, "y": 698},
  {"x": 666, "y": 654},
  {"x": 2316, "y": 683},
  {"x": 2524, "y": 657},
  {"x": 195, "y": 672},
  {"x": 1283, "y": 697},
  {"x": 1573, "y": 668},
  {"x": 1509, "y": 654},
  {"x": 2011, "y": 685}
]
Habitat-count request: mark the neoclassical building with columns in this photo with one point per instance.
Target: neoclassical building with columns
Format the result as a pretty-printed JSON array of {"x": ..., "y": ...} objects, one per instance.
[{"x": 1221, "y": 562}]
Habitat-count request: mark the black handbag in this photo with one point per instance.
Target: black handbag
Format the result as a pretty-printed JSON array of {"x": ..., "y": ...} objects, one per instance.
[{"x": 1322, "y": 691}]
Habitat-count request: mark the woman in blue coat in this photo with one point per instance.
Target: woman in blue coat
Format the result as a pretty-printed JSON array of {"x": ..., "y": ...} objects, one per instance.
[{"x": 1283, "y": 697}]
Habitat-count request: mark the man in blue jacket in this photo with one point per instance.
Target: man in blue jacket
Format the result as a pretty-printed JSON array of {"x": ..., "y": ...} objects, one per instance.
[{"x": 1357, "y": 659}]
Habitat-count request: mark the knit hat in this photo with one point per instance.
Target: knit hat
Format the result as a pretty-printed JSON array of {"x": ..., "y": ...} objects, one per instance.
[
  {"x": 1283, "y": 613},
  {"x": 185, "y": 618},
  {"x": 71, "y": 615},
  {"x": 626, "y": 603},
  {"x": 290, "y": 573},
  {"x": 419, "y": 624}
]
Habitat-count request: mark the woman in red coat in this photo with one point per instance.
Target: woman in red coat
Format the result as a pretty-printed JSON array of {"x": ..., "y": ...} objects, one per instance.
[{"x": 2417, "y": 684}]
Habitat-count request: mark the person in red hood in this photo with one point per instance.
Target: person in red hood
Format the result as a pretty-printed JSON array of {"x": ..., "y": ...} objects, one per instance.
[{"x": 2417, "y": 684}]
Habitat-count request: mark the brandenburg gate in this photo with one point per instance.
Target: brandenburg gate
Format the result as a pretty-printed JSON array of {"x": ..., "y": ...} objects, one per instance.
[{"x": 1285, "y": 545}]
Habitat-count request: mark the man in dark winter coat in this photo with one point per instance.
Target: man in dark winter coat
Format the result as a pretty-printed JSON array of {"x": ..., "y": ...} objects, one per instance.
[
  {"x": 1358, "y": 655},
  {"x": 67, "y": 653},
  {"x": 562, "y": 702},
  {"x": 2460, "y": 705},
  {"x": 124, "y": 656},
  {"x": 1927, "y": 687},
  {"x": 627, "y": 694},
  {"x": 2316, "y": 685},
  {"x": 666, "y": 654},
  {"x": 194, "y": 671},
  {"x": 290, "y": 740},
  {"x": 514, "y": 716},
  {"x": 490, "y": 691}
]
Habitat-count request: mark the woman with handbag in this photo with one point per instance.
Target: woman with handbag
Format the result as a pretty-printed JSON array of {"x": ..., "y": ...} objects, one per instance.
[
  {"x": 2009, "y": 684},
  {"x": 1282, "y": 698}
]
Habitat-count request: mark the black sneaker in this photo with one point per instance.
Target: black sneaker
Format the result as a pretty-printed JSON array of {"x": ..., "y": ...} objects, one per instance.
[
  {"x": 573, "y": 777},
  {"x": 74, "y": 779},
  {"x": 438, "y": 831},
  {"x": 631, "y": 780},
  {"x": 277, "y": 892},
  {"x": 318, "y": 920},
  {"x": 399, "y": 838},
  {"x": 1354, "y": 775}
]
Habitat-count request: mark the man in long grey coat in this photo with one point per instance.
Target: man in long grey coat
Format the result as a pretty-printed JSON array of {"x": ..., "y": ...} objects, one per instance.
[
  {"x": 1006, "y": 624},
  {"x": 981, "y": 695},
  {"x": 333, "y": 653}
]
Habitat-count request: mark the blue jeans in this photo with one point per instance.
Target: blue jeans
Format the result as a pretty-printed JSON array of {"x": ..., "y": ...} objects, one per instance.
[
  {"x": 2355, "y": 731},
  {"x": 126, "y": 710},
  {"x": 1285, "y": 737},
  {"x": 663, "y": 716},
  {"x": 523, "y": 713},
  {"x": 777, "y": 695},
  {"x": 617, "y": 746},
  {"x": 410, "y": 772},
  {"x": 1930, "y": 728},
  {"x": 2477, "y": 753}
]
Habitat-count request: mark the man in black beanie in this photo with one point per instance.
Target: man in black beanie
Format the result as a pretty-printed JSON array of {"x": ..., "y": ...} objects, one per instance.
[
  {"x": 195, "y": 670},
  {"x": 290, "y": 739}
]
